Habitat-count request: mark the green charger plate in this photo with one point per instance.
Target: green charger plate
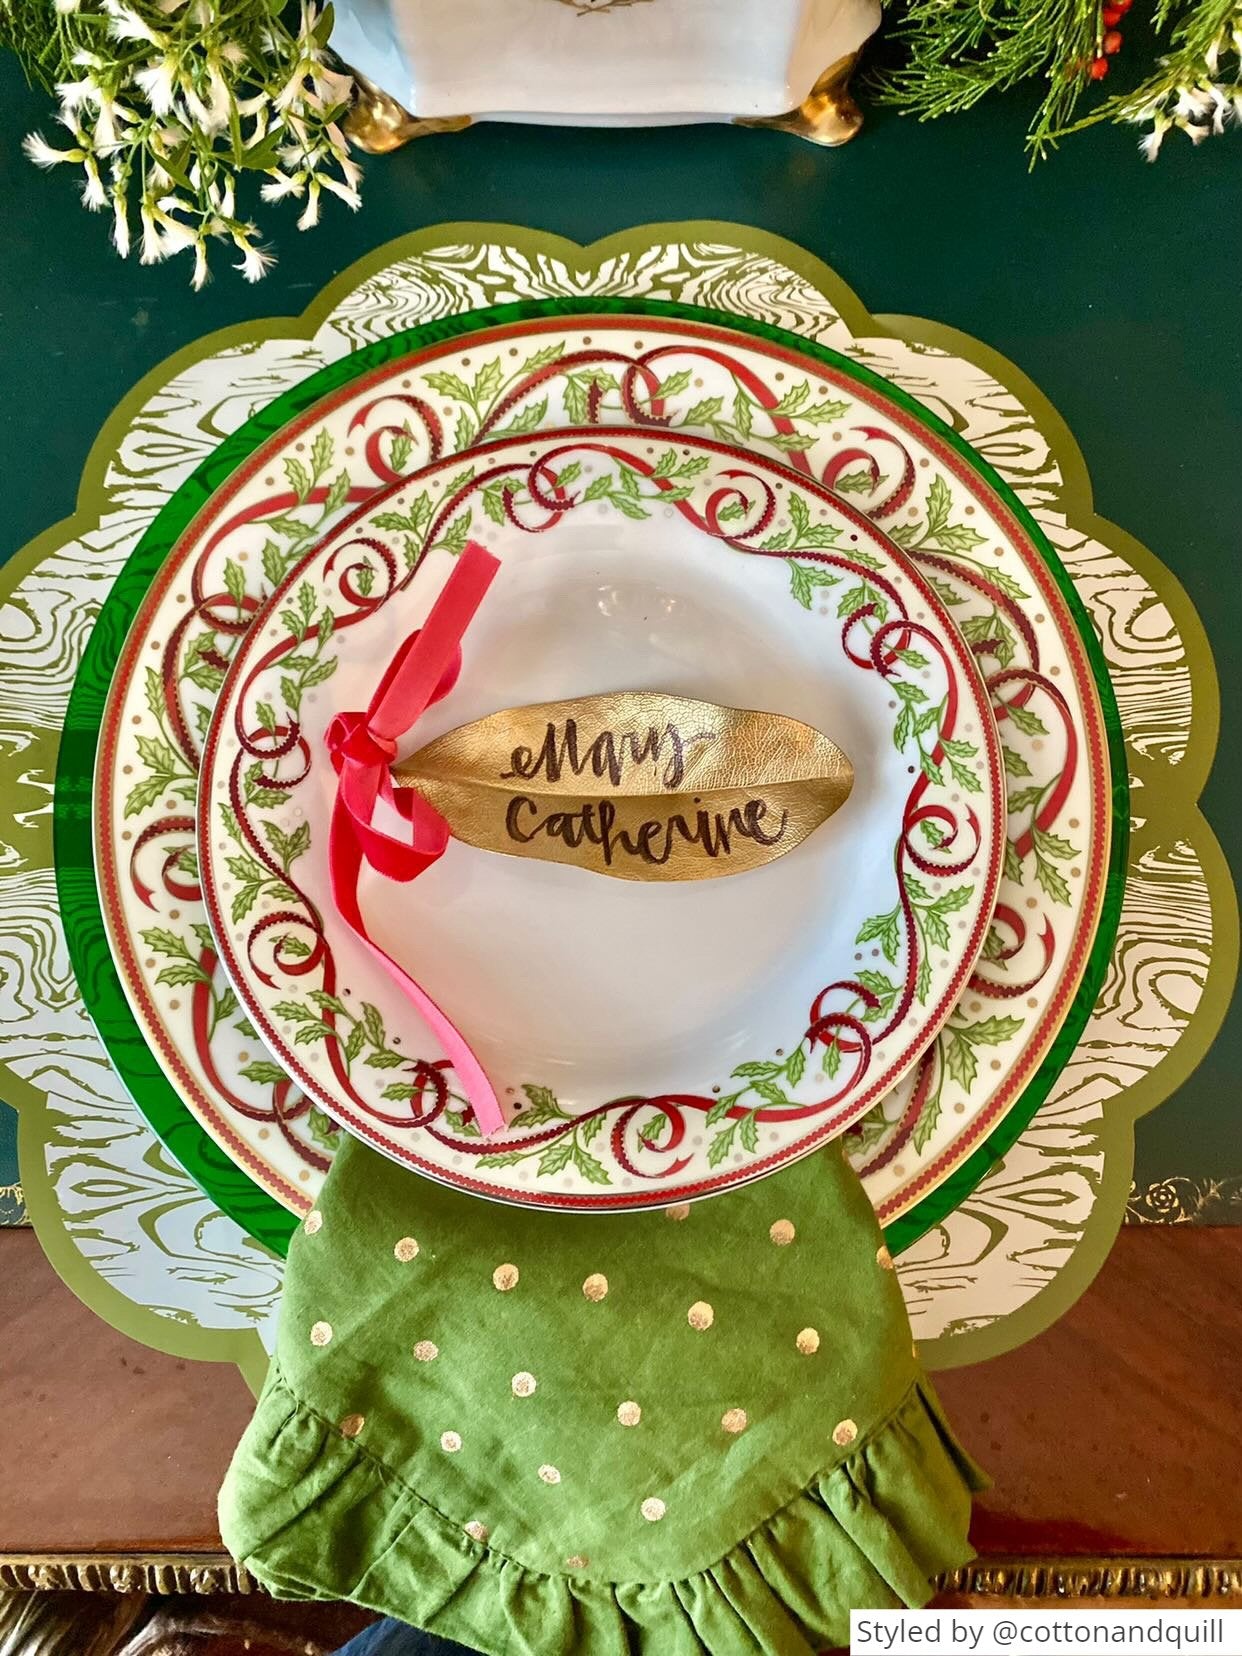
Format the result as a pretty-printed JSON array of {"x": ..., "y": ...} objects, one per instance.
[{"x": 227, "y": 1184}]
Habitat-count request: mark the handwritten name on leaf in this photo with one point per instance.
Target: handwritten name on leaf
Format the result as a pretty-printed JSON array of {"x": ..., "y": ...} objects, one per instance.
[{"x": 633, "y": 784}]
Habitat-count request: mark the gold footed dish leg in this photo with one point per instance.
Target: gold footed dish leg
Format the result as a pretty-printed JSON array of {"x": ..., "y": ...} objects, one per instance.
[
  {"x": 827, "y": 115},
  {"x": 377, "y": 123}
]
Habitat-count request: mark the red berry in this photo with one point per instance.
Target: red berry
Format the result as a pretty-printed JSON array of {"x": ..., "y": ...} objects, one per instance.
[
  {"x": 1111, "y": 16},
  {"x": 1098, "y": 69},
  {"x": 1122, "y": 6},
  {"x": 1112, "y": 42}
]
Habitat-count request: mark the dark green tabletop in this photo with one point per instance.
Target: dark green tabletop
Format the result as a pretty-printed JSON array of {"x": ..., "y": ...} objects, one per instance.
[{"x": 1113, "y": 284}]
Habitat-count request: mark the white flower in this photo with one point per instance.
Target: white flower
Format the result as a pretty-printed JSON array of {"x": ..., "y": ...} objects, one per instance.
[
  {"x": 73, "y": 94},
  {"x": 350, "y": 170},
  {"x": 345, "y": 192},
  {"x": 158, "y": 83},
  {"x": 297, "y": 129},
  {"x": 120, "y": 223},
  {"x": 291, "y": 92},
  {"x": 1221, "y": 109},
  {"x": 258, "y": 131},
  {"x": 195, "y": 108},
  {"x": 1192, "y": 102},
  {"x": 220, "y": 105},
  {"x": 175, "y": 237},
  {"x": 334, "y": 88},
  {"x": 105, "y": 124},
  {"x": 152, "y": 242},
  {"x": 255, "y": 263},
  {"x": 94, "y": 196},
  {"x": 212, "y": 116},
  {"x": 124, "y": 24},
  {"x": 310, "y": 213},
  {"x": 283, "y": 184},
  {"x": 147, "y": 115},
  {"x": 44, "y": 154},
  {"x": 338, "y": 146}
]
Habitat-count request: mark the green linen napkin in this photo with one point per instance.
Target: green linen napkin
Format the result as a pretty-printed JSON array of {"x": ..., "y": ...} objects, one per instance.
[{"x": 696, "y": 1429}]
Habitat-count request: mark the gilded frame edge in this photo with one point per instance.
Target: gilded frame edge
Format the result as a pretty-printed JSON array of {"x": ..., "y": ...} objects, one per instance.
[{"x": 1070, "y": 1577}]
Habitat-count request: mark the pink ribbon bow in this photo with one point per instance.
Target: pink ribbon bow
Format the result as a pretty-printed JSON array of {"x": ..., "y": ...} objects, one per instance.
[{"x": 363, "y": 746}]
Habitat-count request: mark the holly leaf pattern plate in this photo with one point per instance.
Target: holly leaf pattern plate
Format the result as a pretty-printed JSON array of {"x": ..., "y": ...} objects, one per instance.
[
  {"x": 686, "y": 1043},
  {"x": 886, "y": 458}
]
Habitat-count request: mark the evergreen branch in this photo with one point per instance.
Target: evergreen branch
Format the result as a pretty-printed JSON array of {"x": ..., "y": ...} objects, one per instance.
[{"x": 956, "y": 52}]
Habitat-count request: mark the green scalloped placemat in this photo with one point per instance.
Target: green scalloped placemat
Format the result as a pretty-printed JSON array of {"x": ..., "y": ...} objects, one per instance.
[{"x": 209, "y": 1165}]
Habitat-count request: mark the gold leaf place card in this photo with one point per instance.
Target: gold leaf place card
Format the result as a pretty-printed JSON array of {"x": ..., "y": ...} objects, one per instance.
[{"x": 634, "y": 784}]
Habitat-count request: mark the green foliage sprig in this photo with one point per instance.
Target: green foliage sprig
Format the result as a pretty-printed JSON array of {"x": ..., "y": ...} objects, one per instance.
[
  {"x": 169, "y": 102},
  {"x": 957, "y": 51},
  {"x": 1197, "y": 88}
]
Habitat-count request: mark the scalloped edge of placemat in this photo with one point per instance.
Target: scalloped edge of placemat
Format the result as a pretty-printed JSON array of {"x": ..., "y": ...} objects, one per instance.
[{"x": 244, "y": 1347}]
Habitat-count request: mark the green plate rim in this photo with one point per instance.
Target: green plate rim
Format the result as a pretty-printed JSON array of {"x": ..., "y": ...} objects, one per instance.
[{"x": 234, "y": 1192}]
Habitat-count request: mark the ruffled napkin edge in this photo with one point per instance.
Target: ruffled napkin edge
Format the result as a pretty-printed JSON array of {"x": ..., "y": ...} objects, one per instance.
[{"x": 313, "y": 1514}]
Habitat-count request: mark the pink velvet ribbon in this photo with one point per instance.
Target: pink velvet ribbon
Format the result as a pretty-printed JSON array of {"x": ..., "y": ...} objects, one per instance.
[{"x": 363, "y": 746}]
